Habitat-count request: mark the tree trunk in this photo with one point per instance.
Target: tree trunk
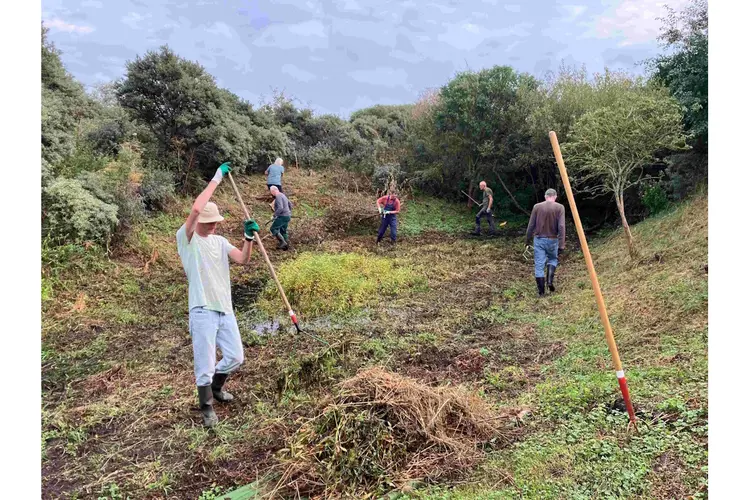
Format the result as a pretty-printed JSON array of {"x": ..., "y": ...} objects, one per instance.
[
  {"x": 511, "y": 196},
  {"x": 621, "y": 208},
  {"x": 187, "y": 171}
]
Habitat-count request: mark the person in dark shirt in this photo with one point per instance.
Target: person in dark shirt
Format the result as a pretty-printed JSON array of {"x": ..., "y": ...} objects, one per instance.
[
  {"x": 547, "y": 228},
  {"x": 485, "y": 211},
  {"x": 281, "y": 216}
]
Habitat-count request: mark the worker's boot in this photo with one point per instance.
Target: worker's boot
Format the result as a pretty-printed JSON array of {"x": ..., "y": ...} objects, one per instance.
[
  {"x": 282, "y": 242},
  {"x": 550, "y": 277},
  {"x": 540, "y": 286},
  {"x": 216, "y": 388},
  {"x": 206, "y": 399}
]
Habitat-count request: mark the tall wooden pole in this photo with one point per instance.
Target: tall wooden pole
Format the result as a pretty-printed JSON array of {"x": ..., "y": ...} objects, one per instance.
[
  {"x": 594, "y": 280},
  {"x": 259, "y": 241}
]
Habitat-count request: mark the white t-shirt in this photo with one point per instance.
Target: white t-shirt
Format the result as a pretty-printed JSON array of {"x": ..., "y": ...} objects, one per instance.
[{"x": 206, "y": 263}]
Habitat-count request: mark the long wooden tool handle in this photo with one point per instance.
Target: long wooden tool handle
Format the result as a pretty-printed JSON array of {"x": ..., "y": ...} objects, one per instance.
[
  {"x": 472, "y": 199},
  {"x": 592, "y": 274},
  {"x": 259, "y": 241}
]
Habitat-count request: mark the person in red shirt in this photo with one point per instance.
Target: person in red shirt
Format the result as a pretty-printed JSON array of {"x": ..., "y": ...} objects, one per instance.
[{"x": 388, "y": 206}]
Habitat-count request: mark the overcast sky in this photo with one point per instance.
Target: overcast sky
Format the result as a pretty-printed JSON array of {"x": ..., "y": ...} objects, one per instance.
[{"x": 341, "y": 55}]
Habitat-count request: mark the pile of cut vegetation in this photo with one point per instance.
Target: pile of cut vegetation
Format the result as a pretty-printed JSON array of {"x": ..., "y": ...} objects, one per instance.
[{"x": 383, "y": 431}]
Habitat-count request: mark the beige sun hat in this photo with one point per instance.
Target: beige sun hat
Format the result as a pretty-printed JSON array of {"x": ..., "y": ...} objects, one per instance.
[{"x": 210, "y": 213}]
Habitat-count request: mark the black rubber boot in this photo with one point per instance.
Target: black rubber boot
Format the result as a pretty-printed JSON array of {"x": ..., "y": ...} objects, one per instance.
[
  {"x": 282, "y": 242},
  {"x": 550, "y": 277},
  {"x": 216, "y": 388},
  {"x": 206, "y": 399},
  {"x": 540, "y": 286}
]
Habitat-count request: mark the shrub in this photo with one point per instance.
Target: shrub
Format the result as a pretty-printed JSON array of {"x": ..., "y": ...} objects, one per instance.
[
  {"x": 654, "y": 198},
  {"x": 320, "y": 283},
  {"x": 73, "y": 214},
  {"x": 106, "y": 138},
  {"x": 386, "y": 175},
  {"x": 119, "y": 184},
  {"x": 157, "y": 188},
  {"x": 319, "y": 156}
]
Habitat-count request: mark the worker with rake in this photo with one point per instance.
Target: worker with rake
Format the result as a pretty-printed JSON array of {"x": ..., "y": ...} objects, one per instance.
[
  {"x": 205, "y": 258},
  {"x": 388, "y": 206},
  {"x": 547, "y": 228},
  {"x": 485, "y": 210},
  {"x": 282, "y": 214}
]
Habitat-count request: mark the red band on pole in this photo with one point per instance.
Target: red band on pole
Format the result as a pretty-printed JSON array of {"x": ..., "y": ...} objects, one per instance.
[
  {"x": 293, "y": 316},
  {"x": 626, "y": 396}
]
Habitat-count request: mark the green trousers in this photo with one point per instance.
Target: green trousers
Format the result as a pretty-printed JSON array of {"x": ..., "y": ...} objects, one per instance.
[{"x": 280, "y": 225}]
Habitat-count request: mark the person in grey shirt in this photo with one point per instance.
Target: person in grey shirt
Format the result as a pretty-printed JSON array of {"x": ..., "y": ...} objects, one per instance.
[
  {"x": 274, "y": 173},
  {"x": 281, "y": 216}
]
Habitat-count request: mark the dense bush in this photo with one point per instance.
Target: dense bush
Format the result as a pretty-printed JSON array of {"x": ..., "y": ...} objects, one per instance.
[
  {"x": 319, "y": 156},
  {"x": 106, "y": 138},
  {"x": 157, "y": 188},
  {"x": 73, "y": 214},
  {"x": 654, "y": 198}
]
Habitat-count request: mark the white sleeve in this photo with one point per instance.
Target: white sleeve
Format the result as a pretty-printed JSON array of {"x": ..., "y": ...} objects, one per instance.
[
  {"x": 182, "y": 240},
  {"x": 228, "y": 247}
]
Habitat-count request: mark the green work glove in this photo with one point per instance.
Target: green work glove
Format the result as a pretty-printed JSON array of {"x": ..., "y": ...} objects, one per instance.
[
  {"x": 251, "y": 227},
  {"x": 223, "y": 170},
  {"x": 380, "y": 209}
]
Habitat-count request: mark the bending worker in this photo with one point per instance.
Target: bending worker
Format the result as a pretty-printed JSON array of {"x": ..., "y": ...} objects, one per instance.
[
  {"x": 388, "y": 206},
  {"x": 282, "y": 214},
  {"x": 274, "y": 173},
  {"x": 547, "y": 227},
  {"x": 205, "y": 258},
  {"x": 485, "y": 210}
]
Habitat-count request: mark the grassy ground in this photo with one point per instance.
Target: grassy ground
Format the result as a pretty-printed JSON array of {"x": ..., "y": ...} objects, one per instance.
[{"x": 120, "y": 417}]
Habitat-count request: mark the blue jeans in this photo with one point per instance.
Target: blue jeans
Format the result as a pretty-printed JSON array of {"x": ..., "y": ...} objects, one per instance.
[
  {"x": 388, "y": 221},
  {"x": 545, "y": 252},
  {"x": 210, "y": 329}
]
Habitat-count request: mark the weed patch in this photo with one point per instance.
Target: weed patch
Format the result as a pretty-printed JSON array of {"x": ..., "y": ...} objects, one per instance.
[{"x": 321, "y": 283}]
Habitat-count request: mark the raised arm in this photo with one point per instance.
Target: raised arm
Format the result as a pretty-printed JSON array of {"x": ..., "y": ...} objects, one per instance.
[
  {"x": 202, "y": 199},
  {"x": 243, "y": 256}
]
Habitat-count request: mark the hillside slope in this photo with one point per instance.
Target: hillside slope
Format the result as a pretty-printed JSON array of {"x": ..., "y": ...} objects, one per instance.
[{"x": 120, "y": 415}]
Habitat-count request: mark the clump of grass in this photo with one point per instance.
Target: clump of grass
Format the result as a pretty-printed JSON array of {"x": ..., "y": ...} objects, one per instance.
[
  {"x": 321, "y": 283},
  {"x": 384, "y": 431}
]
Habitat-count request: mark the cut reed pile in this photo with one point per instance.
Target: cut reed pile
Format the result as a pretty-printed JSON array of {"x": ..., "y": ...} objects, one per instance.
[{"x": 383, "y": 431}]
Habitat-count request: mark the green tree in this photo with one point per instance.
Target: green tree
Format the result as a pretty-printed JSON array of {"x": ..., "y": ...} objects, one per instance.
[
  {"x": 64, "y": 107},
  {"x": 609, "y": 147},
  {"x": 483, "y": 126},
  {"x": 685, "y": 70}
]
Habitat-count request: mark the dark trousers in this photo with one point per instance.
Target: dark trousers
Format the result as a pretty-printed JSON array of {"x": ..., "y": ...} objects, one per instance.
[
  {"x": 490, "y": 221},
  {"x": 277, "y": 185},
  {"x": 280, "y": 225},
  {"x": 388, "y": 220}
]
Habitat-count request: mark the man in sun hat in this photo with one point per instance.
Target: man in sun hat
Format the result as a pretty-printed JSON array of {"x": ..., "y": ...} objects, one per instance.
[
  {"x": 205, "y": 258},
  {"x": 547, "y": 228}
]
